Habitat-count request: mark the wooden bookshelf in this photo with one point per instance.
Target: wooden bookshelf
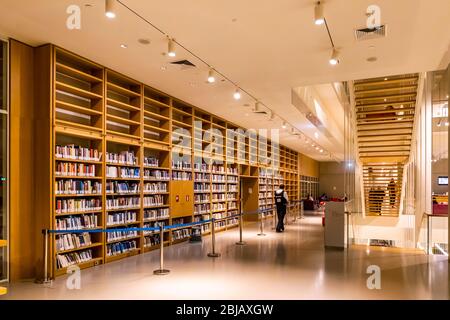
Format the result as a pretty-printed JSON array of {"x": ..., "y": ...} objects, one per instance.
[{"x": 158, "y": 161}]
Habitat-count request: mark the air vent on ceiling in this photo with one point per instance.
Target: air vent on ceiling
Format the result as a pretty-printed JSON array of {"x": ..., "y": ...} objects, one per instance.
[
  {"x": 370, "y": 33},
  {"x": 185, "y": 64}
]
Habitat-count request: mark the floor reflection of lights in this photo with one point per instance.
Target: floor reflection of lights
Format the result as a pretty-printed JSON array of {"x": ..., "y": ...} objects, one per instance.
[{"x": 289, "y": 265}]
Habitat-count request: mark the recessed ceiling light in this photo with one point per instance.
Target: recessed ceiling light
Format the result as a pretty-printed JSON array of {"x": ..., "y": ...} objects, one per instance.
[
  {"x": 316, "y": 134},
  {"x": 123, "y": 46},
  {"x": 163, "y": 68},
  {"x": 237, "y": 95}
]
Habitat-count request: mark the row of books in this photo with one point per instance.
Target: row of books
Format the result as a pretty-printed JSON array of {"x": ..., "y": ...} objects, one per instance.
[
  {"x": 219, "y": 188},
  {"x": 232, "y": 188},
  {"x": 119, "y": 235},
  {"x": 120, "y": 247},
  {"x": 231, "y": 205},
  {"x": 218, "y": 169},
  {"x": 153, "y": 214},
  {"x": 156, "y": 200},
  {"x": 123, "y": 203},
  {"x": 202, "y": 197},
  {"x": 232, "y": 180},
  {"x": 201, "y": 187},
  {"x": 181, "y": 175},
  {"x": 231, "y": 170},
  {"x": 116, "y": 172},
  {"x": 68, "y": 259},
  {"x": 219, "y": 206},
  {"x": 77, "y": 187},
  {"x": 218, "y": 197},
  {"x": 218, "y": 178},
  {"x": 121, "y": 218},
  {"x": 124, "y": 157},
  {"x": 202, "y": 177},
  {"x": 152, "y": 240},
  {"x": 181, "y": 165},
  {"x": 122, "y": 187},
  {"x": 202, "y": 208},
  {"x": 77, "y": 223},
  {"x": 203, "y": 217},
  {"x": 151, "y": 174},
  {"x": 77, "y": 153},
  {"x": 155, "y": 224},
  {"x": 77, "y": 205},
  {"x": 151, "y": 162},
  {"x": 231, "y": 196},
  {"x": 181, "y": 234},
  {"x": 72, "y": 241},
  {"x": 201, "y": 167},
  {"x": 75, "y": 169},
  {"x": 155, "y": 187}
]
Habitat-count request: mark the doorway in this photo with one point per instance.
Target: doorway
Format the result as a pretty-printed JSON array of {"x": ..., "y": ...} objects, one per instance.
[{"x": 249, "y": 197}]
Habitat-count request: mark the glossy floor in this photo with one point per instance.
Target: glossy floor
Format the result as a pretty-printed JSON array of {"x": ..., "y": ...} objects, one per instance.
[{"x": 289, "y": 265}]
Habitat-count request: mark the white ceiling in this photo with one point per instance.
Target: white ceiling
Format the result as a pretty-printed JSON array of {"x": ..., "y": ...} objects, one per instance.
[{"x": 267, "y": 47}]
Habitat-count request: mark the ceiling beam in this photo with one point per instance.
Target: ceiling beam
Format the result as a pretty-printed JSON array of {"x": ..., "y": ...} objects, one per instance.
[
  {"x": 368, "y": 91},
  {"x": 361, "y": 83},
  {"x": 392, "y": 96}
]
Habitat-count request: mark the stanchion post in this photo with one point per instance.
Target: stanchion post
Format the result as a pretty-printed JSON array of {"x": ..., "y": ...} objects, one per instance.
[
  {"x": 161, "y": 271},
  {"x": 46, "y": 279},
  {"x": 261, "y": 225},
  {"x": 213, "y": 254},
  {"x": 240, "y": 242}
]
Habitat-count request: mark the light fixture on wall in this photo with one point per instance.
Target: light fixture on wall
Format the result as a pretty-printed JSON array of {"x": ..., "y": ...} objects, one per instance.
[
  {"x": 171, "y": 48},
  {"x": 237, "y": 94},
  {"x": 211, "y": 78},
  {"x": 334, "y": 59},
  {"x": 110, "y": 9},
  {"x": 319, "y": 19}
]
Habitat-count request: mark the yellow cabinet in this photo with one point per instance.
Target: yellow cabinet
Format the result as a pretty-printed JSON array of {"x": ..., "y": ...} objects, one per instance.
[{"x": 181, "y": 198}]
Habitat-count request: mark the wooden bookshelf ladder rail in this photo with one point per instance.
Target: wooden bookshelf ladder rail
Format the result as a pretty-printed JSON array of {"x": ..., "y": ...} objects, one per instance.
[
  {"x": 161, "y": 271},
  {"x": 213, "y": 253}
]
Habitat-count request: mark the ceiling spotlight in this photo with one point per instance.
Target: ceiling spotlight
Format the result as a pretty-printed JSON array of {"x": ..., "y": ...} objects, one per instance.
[
  {"x": 110, "y": 6},
  {"x": 385, "y": 79},
  {"x": 334, "y": 60},
  {"x": 171, "y": 48},
  {"x": 237, "y": 94},
  {"x": 284, "y": 126},
  {"x": 257, "y": 106},
  {"x": 271, "y": 115},
  {"x": 211, "y": 78},
  {"x": 317, "y": 148},
  {"x": 318, "y": 14},
  {"x": 123, "y": 46},
  {"x": 321, "y": 150}
]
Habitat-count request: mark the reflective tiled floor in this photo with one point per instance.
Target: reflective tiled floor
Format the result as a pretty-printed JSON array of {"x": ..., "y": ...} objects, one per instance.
[{"x": 290, "y": 265}]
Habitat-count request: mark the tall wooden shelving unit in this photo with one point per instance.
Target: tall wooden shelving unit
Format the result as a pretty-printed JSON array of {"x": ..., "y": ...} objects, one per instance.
[{"x": 125, "y": 155}]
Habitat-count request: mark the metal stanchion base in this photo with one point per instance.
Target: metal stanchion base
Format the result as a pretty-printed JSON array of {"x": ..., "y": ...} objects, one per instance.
[
  {"x": 241, "y": 243},
  {"x": 213, "y": 255},
  {"x": 161, "y": 272},
  {"x": 46, "y": 282},
  {"x": 261, "y": 234}
]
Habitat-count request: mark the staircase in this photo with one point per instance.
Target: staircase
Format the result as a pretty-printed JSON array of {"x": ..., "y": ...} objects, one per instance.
[{"x": 385, "y": 118}]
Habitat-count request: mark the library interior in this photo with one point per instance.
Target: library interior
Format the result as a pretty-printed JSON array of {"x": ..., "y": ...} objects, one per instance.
[{"x": 292, "y": 149}]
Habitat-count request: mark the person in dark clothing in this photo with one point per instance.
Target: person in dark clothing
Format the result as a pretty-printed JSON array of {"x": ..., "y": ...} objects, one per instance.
[
  {"x": 281, "y": 200},
  {"x": 392, "y": 192}
]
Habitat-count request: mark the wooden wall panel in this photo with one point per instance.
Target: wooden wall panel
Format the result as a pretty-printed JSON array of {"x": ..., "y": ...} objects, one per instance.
[
  {"x": 22, "y": 218},
  {"x": 308, "y": 166}
]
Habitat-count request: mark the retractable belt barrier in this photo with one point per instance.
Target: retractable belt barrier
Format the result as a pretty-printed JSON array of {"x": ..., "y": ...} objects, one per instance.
[{"x": 161, "y": 228}]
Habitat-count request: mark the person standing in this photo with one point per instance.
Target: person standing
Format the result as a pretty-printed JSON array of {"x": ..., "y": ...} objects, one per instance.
[
  {"x": 392, "y": 186},
  {"x": 281, "y": 200}
]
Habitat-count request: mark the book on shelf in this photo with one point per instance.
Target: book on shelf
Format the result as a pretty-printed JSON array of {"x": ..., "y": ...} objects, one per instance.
[
  {"x": 121, "y": 218},
  {"x": 71, "y": 241},
  {"x": 118, "y": 248},
  {"x": 69, "y": 169},
  {"x": 181, "y": 175},
  {"x": 152, "y": 240},
  {"x": 155, "y": 187},
  {"x": 121, "y": 172},
  {"x": 123, "y": 203},
  {"x": 77, "y": 222},
  {"x": 122, "y": 187},
  {"x": 78, "y": 187},
  {"x": 151, "y": 162},
  {"x": 124, "y": 157},
  {"x": 74, "y": 152},
  {"x": 154, "y": 200},
  {"x": 77, "y": 205},
  {"x": 153, "y": 214},
  {"x": 68, "y": 259},
  {"x": 181, "y": 165},
  {"x": 120, "y": 235}
]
